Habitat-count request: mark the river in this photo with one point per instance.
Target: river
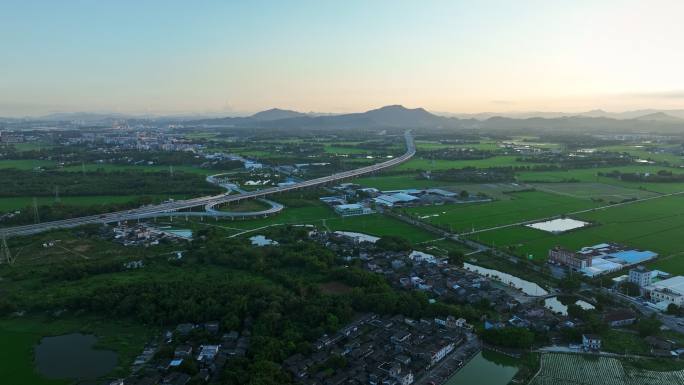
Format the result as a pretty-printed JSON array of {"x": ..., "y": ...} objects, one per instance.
[{"x": 527, "y": 287}]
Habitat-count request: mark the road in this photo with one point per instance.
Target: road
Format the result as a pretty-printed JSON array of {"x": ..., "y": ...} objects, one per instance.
[
  {"x": 165, "y": 209},
  {"x": 672, "y": 322}
]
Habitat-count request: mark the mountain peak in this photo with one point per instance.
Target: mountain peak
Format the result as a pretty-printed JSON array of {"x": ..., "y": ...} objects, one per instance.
[
  {"x": 276, "y": 114},
  {"x": 658, "y": 116}
]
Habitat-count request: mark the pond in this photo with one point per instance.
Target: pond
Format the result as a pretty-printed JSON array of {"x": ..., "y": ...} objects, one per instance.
[
  {"x": 71, "y": 356},
  {"x": 556, "y": 306},
  {"x": 486, "y": 368},
  {"x": 527, "y": 287}
]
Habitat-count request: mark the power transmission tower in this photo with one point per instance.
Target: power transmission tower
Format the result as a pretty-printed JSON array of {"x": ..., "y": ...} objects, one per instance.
[
  {"x": 5, "y": 254},
  {"x": 36, "y": 216}
]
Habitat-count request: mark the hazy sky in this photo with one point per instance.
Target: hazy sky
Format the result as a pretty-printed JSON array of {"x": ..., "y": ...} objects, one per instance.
[{"x": 339, "y": 56}]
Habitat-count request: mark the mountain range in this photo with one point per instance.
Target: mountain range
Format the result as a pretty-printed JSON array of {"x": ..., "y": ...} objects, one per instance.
[{"x": 397, "y": 116}]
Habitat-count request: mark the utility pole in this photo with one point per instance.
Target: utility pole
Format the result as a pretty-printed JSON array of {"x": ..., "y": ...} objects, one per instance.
[
  {"x": 56, "y": 194},
  {"x": 36, "y": 216},
  {"x": 171, "y": 171},
  {"x": 5, "y": 254}
]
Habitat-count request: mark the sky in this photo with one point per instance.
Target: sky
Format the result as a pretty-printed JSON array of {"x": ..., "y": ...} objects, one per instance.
[{"x": 236, "y": 57}]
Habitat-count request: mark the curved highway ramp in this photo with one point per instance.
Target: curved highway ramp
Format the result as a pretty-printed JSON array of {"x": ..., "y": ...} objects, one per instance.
[{"x": 171, "y": 208}]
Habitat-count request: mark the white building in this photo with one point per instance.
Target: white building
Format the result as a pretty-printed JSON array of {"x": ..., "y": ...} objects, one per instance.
[
  {"x": 250, "y": 165},
  {"x": 667, "y": 291},
  {"x": 640, "y": 276},
  {"x": 394, "y": 199},
  {"x": 441, "y": 352},
  {"x": 352, "y": 209},
  {"x": 591, "y": 342}
]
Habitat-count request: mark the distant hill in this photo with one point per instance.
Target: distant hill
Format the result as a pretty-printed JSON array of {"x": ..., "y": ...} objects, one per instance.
[
  {"x": 275, "y": 114},
  {"x": 659, "y": 116}
]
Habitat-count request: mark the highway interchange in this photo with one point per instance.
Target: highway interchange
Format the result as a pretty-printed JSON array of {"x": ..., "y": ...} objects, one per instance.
[{"x": 171, "y": 208}]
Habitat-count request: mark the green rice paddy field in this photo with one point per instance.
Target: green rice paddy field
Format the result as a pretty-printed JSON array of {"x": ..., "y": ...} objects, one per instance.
[
  {"x": 656, "y": 225},
  {"x": 522, "y": 206},
  {"x": 439, "y": 164}
]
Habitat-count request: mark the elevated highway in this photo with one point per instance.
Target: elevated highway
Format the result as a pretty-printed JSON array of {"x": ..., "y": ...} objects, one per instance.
[{"x": 172, "y": 208}]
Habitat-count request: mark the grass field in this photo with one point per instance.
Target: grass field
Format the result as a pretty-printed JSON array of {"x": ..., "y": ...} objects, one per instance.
[
  {"x": 19, "y": 336},
  {"x": 246, "y": 205},
  {"x": 521, "y": 207},
  {"x": 321, "y": 216}
]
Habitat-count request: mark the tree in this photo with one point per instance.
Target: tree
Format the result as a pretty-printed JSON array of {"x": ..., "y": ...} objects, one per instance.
[
  {"x": 673, "y": 309},
  {"x": 393, "y": 243},
  {"x": 630, "y": 288},
  {"x": 570, "y": 283},
  {"x": 576, "y": 311},
  {"x": 517, "y": 338},
  {"x": 455, "y": 257},
  {"x": 648, "y": 326}
]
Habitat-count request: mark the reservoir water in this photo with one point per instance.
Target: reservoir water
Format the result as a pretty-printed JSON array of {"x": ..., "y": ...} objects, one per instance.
[
  {"x": 486, "y": 368},
  {"x": 71, "y": 356}
]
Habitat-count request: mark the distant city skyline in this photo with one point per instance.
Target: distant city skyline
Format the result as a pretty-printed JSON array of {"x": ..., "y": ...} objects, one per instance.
[{"x": 235, "y": 58}]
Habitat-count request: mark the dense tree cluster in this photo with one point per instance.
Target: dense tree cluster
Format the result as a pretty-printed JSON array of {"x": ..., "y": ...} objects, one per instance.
[
  {"x": 515, "y": 338},
  {"x": 662, "y": 176},
  {"x": 276, "y": 288}
]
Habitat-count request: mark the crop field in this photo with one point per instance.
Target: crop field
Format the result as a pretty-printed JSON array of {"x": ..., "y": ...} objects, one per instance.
[
  {"x": 8, "y": 204},
  {"x": 561, "y": 369},
  {"x": 521, "y": 207},
  {"x": 429, "y": 145},
  {"x": 438, "y": 164},
  {"x": 141, "y": 168},
  {"x": 30, "y": 146},
  {"x": 396, "y": 182},
  {"x": 656, "y": 225},
  {"x": 642, "y": 151},
  {"x": 591, "y": 190},
  {"x": 25, "y": 164},
  {"x": 591, "y": 175},
  {"x": 337, "y": 149}
]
